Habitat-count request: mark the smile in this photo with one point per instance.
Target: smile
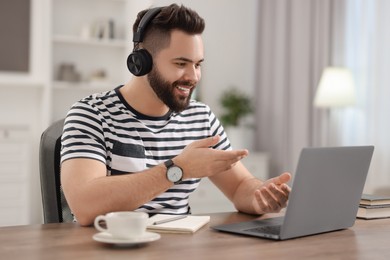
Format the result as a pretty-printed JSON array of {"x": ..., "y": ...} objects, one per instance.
[{"x": 183, "y": 88}]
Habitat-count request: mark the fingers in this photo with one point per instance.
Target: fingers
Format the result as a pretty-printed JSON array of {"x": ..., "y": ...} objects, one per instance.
[
  {"x": 285, "y": 188},
  {"x": 199, "y": 159},
  {"x": 207, "y": 142},
  {"x": 225, "y": 160},
  {"x": 233, "y": 155},
  {"x": 213, "y": 140},
  {"x": 272, "y": 198},
  {"x": 229, "y": 156},
  {"x": 283, "y": 178}
]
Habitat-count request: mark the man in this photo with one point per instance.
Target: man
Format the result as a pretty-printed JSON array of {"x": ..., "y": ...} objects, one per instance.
[{"x": 144, "y": 146}]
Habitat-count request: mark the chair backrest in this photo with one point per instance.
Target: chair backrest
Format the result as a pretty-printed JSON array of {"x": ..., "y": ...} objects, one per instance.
[{"x": 55, "y": 207}]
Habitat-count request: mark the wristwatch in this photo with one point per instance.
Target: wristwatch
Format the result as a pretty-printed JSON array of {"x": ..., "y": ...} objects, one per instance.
[{"x": 174, "y": 172}]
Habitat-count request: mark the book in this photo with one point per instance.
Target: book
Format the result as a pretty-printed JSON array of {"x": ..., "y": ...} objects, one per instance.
[
  {"x": 371, "y": 200},
  {"x": 373, "y": 212},
  {"x": 186, "y": 224}
]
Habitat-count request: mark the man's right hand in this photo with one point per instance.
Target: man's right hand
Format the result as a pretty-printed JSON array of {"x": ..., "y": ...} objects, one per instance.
[{"x": 199, "y": 159}]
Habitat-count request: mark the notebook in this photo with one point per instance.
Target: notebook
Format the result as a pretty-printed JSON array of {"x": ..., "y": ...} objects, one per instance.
[
  {"x": 186, "y": 224},
  {"x": 325, "y": 196}
]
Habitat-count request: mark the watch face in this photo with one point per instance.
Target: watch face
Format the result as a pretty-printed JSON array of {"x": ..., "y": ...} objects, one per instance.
[{"x": 174, "y": 174}]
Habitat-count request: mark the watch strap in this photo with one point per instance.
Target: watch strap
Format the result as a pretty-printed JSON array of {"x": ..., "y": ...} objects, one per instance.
[{"x": 168, "y": 163}]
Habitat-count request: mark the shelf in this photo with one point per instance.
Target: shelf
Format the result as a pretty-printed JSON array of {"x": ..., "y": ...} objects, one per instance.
[
  {"x": 70, "y": 39},
  {"x": 93, "y": 85},
  {"x": 20, "y": 84},
  {"x": 109, "y": 1}
]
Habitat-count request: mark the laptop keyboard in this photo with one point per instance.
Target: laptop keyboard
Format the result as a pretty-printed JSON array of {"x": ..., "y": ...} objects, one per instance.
[{"x": 275, "y": 230}]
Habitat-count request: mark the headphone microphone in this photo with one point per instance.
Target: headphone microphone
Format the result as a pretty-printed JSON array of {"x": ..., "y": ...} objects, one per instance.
[{"x": 140, "y": 61}]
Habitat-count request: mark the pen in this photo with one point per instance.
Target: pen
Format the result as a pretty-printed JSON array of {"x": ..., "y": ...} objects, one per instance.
[{"x": 169, "y": 220}]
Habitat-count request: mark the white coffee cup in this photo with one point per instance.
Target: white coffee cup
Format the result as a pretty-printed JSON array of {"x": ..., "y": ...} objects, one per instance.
[{"x": 123, "y": 224}]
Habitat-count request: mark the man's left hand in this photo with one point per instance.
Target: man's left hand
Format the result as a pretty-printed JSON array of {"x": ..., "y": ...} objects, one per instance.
[{"x": 273, "y": 195}]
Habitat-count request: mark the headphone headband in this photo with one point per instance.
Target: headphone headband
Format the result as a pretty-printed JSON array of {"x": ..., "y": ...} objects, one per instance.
[
  {"x": 150, "y": 14},
  {"x": 140, "y": 62}
]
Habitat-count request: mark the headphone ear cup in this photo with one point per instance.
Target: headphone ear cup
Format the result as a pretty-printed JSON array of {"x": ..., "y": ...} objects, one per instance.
[{"x": 140, "y": 62}]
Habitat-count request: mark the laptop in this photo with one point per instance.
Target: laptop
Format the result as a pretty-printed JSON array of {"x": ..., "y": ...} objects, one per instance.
[{"x": 325, "y": 195}]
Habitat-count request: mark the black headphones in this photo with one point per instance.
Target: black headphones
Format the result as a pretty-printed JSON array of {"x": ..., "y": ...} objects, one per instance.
[{"x": 140, "y": 61}]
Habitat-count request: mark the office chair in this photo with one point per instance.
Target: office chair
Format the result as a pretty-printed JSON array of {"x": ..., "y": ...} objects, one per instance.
[{"x": 55, "y": 207}]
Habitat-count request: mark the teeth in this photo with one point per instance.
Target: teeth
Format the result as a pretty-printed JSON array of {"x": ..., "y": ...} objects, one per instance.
[{"x": 183, "y": 89}]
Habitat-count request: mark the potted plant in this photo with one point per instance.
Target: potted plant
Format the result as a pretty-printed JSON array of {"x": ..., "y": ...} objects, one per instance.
[{"x": 236, "y": 105}]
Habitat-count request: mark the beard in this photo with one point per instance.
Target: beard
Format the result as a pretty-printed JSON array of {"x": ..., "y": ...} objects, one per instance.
[{"x": 166, "y": 91}]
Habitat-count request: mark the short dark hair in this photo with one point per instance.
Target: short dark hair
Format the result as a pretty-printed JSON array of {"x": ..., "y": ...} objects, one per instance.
[{"x": 157, "y": 33}]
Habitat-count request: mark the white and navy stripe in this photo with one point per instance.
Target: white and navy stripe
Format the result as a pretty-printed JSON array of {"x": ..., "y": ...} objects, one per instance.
[{"x": 104, "y": 127}]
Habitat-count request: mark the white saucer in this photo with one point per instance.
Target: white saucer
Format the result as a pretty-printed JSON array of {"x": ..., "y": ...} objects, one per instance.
[{"x": 107, "y": 238}]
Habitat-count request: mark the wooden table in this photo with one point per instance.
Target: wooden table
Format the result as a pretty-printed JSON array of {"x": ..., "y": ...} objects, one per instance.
[{"x": 367, "y": 239}]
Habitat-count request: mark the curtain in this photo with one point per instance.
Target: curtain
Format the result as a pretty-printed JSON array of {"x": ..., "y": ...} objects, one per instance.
[
  {"x": 294, "y": 41},
  {"x": 367, "y": 54}
]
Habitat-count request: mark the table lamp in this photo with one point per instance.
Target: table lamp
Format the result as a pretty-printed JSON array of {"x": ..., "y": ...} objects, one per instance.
[{"x": 336, "y": 88}]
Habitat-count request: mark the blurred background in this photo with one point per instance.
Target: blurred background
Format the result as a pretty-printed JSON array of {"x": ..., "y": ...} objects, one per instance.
[{"x": 265, "y": 63}]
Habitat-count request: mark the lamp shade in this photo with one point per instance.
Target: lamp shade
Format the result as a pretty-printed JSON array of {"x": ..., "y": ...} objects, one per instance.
[{"x": 336, "y": 88}]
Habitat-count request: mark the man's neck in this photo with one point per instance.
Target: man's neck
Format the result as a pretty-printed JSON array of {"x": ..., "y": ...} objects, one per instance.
[{"x": 139, "y": 95}]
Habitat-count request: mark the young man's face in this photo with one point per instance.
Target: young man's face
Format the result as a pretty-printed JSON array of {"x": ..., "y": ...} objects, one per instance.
[{"x": 176, "y": 70}]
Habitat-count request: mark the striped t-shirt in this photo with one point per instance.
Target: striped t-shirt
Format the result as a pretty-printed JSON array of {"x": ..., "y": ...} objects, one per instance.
[{"x": 106, "y": 128}]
